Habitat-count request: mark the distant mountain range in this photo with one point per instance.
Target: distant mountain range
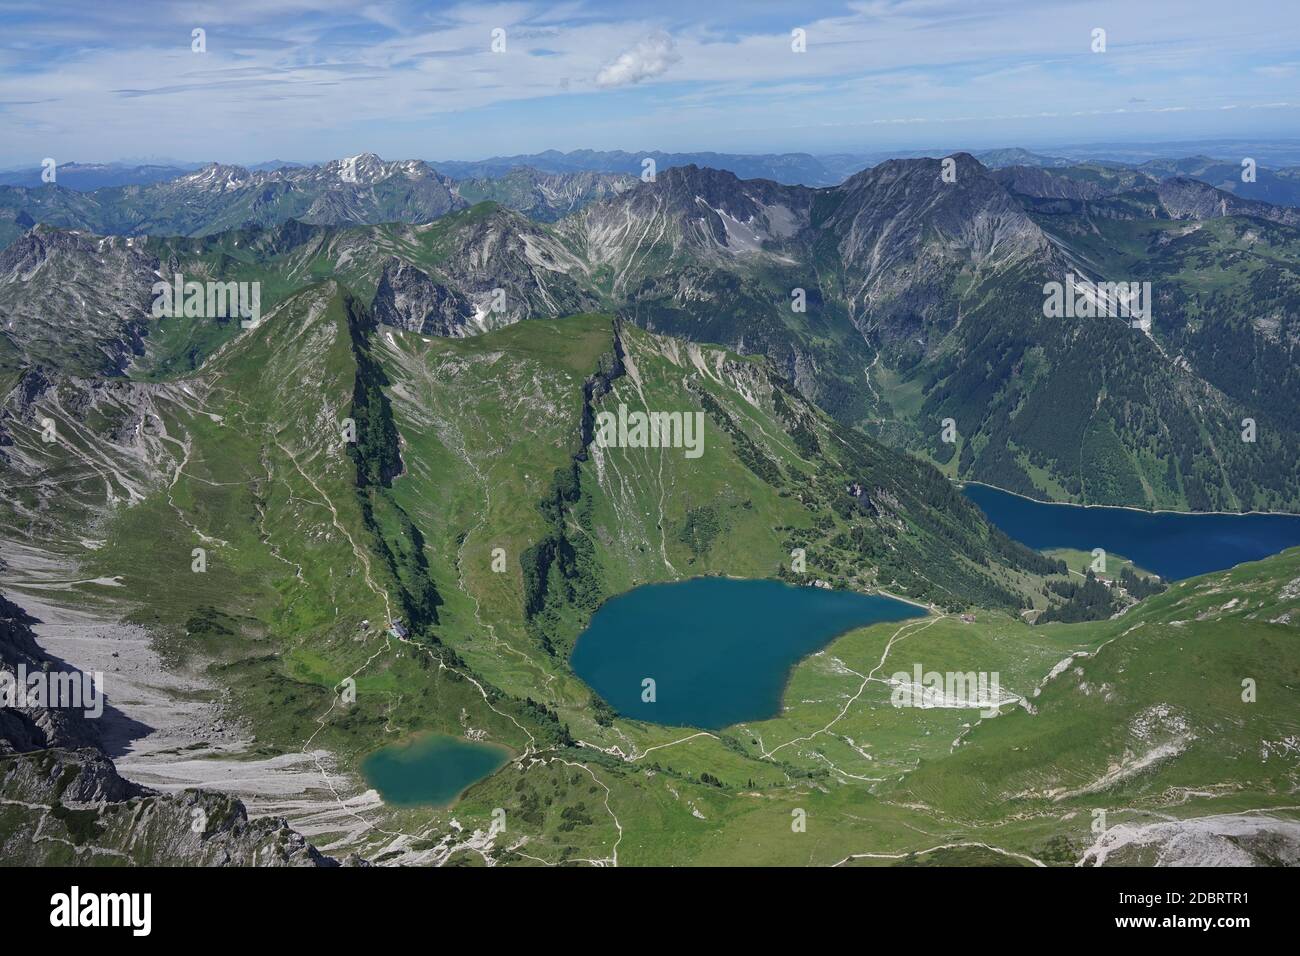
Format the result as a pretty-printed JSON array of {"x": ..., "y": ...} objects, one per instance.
[
  {"x": 361, "y": 189},
  {"x": 217, "y": 197},
  {"x": 792, "y": 168},
  {"x": 85, "y": 177},
  {"x": 807, "y": 169},
  {"x": 118, "y": 199}
]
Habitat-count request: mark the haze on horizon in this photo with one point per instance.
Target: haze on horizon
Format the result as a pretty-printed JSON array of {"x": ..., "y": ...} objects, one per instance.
[{"x": 312, "y": 79}]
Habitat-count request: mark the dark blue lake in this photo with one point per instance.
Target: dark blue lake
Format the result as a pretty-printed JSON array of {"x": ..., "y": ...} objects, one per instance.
[
  {"x": 1172, "y": 544},
  {"x": 719, "y": 650}
]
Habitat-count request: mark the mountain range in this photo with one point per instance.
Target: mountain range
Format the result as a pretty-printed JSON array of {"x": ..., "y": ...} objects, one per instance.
[
  {"x": 898, "y": 300},
  {"x": 1275, "y": 161}
]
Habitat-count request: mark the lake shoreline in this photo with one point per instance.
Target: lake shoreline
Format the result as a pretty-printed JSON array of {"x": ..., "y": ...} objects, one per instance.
[
  {"x": 749, "y": 636},
  {"x": 1173, "y": 544},
  {"x": 962, "y": 482},
  {"x": 873, "y": 592}
]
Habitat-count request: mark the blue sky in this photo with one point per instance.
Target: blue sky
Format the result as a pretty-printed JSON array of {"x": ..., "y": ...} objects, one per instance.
[{"x": 91, "y": 80}]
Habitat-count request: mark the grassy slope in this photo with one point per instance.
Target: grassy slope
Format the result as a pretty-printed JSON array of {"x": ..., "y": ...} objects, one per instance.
[
  {"x": 1166, "y": 682},
  {"x": 281, "y": 603}
]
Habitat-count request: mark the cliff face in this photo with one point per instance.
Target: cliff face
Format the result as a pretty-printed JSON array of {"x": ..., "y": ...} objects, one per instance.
[
  {"x": 409, "y": 299},
  {"x": 66, "y": 804},
  {"x": 67, "y": 807},
  {"x": 25, "y": 729},
  {"x": 1189, "y": 199},
  {"x": 598, "y": 385}
]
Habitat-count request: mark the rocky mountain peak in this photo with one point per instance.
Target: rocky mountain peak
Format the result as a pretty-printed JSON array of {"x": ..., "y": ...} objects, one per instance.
[
  {"x": 365, "y": 169},
  {"x": 891, "y": 210},
  {"x": 1184, "y": 198},
  {"x": 217, "y": 177}
]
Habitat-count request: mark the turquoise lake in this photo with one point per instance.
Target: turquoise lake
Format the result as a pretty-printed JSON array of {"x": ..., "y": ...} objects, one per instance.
[
  {"x": 430, "y": 769},
  {"x": 1174, "y": 545},
  {"x": 719, "y": 650}
]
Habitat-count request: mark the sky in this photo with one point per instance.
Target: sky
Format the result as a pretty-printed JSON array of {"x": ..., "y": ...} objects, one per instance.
[{"x": 308, "y": 80}]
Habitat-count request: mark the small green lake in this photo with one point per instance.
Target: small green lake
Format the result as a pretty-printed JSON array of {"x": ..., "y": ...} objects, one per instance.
[
  {"x": 430, "y": 769},
  {"x": 718, "y": 651}
]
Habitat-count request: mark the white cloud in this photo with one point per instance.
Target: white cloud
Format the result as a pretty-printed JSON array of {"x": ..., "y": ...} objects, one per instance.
[
  {"x": 322, "y": 86},
  {"x": 1278, "y": 71},
  {"x": 651, "y": 57}
]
